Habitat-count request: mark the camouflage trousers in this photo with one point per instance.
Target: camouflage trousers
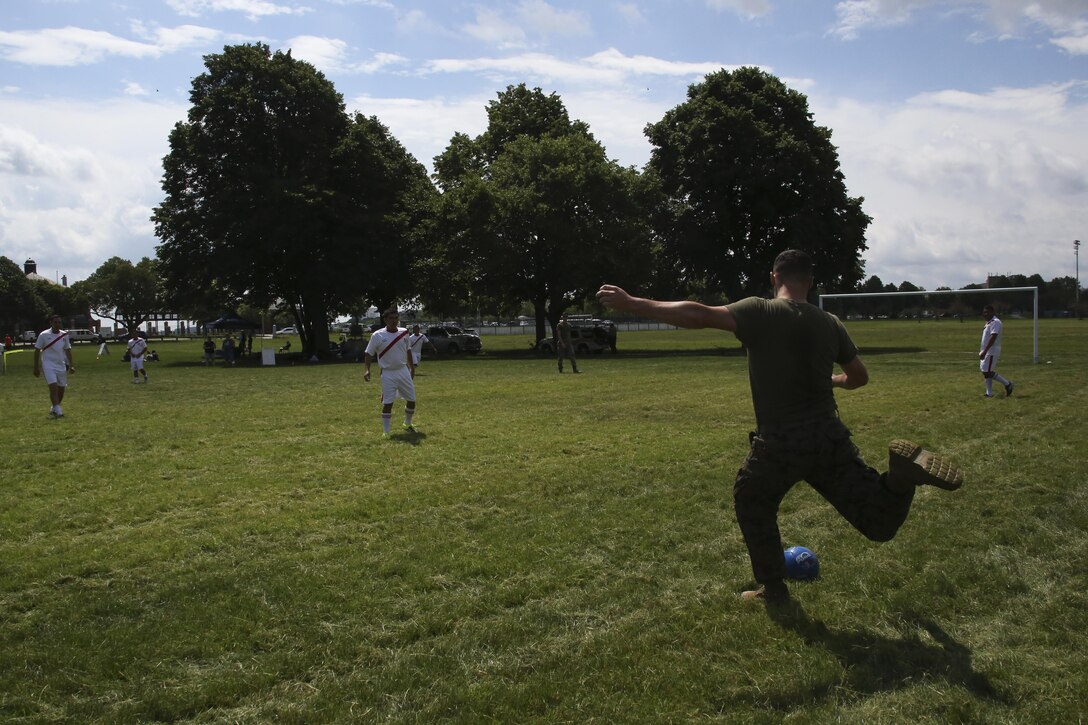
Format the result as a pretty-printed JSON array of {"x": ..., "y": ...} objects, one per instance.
[
  {"x": 565, "y": 351},
  {"x": 821, "y": 453}
]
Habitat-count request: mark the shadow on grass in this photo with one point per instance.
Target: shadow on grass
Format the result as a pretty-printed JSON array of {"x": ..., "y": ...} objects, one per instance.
[
  {"x": 291, "y": 359},
  {"x": 874, "y": 663},
  {"x": 633, "y": 354},
  {"x": 409, "y": 438}
]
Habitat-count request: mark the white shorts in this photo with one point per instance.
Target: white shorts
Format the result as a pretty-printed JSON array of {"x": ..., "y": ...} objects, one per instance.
[
  {"x": 397, "y": 381},
  {"x": 56, "y": 376},
  {"x": 137, "y": 363},
  {"x": 988, "y": 364}
]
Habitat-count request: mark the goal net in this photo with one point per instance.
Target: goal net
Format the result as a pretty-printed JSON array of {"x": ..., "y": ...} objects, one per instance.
[{"x": 931, "y": 304}]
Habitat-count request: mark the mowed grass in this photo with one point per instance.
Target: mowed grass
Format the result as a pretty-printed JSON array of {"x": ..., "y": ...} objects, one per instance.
[{"x": 239, "y": 545}]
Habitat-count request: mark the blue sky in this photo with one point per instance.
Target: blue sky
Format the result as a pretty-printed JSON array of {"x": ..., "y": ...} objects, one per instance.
[{"x": 961, "y": 123}]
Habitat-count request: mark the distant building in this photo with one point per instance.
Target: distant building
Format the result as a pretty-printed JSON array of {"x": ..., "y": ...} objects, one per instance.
[{"x": 30, "y": 267}]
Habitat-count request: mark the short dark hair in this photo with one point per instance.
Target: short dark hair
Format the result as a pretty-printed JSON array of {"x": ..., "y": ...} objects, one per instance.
[
  {"x": 987, "y": 308},
  {"x": 793, "y": 264},
  {"x": 391, "y": 311}
]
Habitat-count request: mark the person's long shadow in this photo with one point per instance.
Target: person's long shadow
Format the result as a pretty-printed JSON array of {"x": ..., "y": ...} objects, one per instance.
[{"x": 874, "y": 663}]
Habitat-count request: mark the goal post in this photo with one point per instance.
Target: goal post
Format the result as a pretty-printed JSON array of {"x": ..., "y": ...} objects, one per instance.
[{"x": 987, "y": 290}]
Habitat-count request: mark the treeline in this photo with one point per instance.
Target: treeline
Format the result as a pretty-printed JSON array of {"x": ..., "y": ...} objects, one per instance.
[{"x": 1056, "y": 298}]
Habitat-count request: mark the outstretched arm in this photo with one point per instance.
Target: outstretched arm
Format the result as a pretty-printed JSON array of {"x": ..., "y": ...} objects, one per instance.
[{"x": 682, "y": 313}]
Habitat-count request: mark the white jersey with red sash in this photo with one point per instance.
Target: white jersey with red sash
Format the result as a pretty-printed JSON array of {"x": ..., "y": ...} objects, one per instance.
[
  {"x": 53, "y": 344},
  {"x": 137, "y": 346},
  {"x": 389, "y": 348}
]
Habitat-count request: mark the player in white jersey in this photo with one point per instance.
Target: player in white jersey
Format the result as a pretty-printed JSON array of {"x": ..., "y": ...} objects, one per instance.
[
  {"x": 389, "y": 346},
  {"x": 990, "y": 352},
  {"x": 137, "y": 346},
  {"x": 53, "y": 357},
  {"x": 416, "y": 341}
]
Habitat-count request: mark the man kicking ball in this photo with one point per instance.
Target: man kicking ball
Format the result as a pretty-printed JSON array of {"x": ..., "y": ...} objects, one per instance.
[{"x": 793, "y": 348}]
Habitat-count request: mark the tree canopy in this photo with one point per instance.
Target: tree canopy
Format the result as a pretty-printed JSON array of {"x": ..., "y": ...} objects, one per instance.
[
  {"x": 123, "y": 292},
  {"x": 534, "y": 210},
  {"x": 20, "y": 304},
  {"x": 273, "y": 195},
  {"x": 747, "y": 174}
]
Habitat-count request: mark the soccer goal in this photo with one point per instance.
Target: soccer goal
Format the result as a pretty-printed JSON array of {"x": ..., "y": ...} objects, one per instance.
[{"x": 988, "y": 291}]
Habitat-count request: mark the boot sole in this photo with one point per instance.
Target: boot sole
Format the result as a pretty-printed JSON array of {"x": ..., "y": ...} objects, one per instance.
[{"x": 912, "y": 463}]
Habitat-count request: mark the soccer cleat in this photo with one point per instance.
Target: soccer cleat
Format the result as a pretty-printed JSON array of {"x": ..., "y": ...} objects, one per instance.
[
  {"x": 409, "y": 428},
  {"x": 135, "y": 381},
  {"x": 1008, "y": 389},
  {"x": 387, "y": 436},
  {"x": 909, "y": 463},
  {"x": 781, "y": 596},
  {"x": 52, "y": 413}
]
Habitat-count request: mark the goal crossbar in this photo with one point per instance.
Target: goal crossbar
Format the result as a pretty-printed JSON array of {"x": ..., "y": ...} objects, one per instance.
[{"x": 923, "y": 293}]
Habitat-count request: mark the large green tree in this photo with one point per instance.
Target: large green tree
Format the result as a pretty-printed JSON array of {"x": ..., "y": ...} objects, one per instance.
[
  {"x": 747, "y": 174},
  {"x": 123, "y": 292},
  {"x": 21, "y": 307},
  {"x": 534, "y": 210},
  {"x": 274, "y": 195}
]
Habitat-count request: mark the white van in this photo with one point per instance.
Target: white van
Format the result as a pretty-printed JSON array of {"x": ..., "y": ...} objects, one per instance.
[{"x": 80, "y": 335}]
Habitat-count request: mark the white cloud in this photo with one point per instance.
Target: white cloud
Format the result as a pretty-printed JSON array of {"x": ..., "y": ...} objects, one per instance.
[
  {"x": 749, "y": 8},
  {"x": 536, "y": 18},
  {"x": 134, "y": 89},
  {"x": 960, "y": 185},
  {"x": 605, "y": 68},
  {"x": 855, "y": 15},
  {"x": 176, "y": 38},
  {"x": 330, "y": 55},
  {"x": 546, "y": 19},
  {"x": 77, "y": 194},
  {"x": 492, "y": 28},
  {"x": 612, "y": 59},
  {"x": 252, "y": 9},
  {"x": 425, "y": 126},
  {"x": 1066, "y": 20},
  {"x": 73, "y": 46},
  {"x": 631, "y": 13},
  {"x": 69, "y": 46}
]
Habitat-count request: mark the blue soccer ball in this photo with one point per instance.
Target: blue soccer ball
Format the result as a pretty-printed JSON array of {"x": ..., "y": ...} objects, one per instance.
[{"x": 801, "y": 563}]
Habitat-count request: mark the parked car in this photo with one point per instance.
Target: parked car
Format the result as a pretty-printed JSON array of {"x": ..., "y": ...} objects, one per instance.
[
  {"x": 585, "y": 340},
  {"x": 453, "y": 340},
  {"x": 287, "y": 331}
]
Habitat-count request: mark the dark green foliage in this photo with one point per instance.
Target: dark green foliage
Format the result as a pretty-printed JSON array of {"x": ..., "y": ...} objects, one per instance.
[
  {"x": 748, "y": 174},
  {"x": 124, "y": 292},
  {"x": 534, "y": 210},
  {"x": 275, "y": 196},
  {"x": 20, "y": 304}
]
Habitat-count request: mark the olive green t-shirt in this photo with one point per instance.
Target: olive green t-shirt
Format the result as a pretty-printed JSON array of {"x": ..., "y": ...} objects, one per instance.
[{"x": 792, "y": 350}]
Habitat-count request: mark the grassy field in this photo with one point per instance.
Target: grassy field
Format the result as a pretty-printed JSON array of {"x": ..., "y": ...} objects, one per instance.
[{"x": 240, "y": 545}]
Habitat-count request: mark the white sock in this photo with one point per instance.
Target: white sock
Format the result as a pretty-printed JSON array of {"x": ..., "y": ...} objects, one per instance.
[
  {"x": 387, "y": 419},
  {"x": 989, "y": 386},
  {"x": 408, "y": 415},
  {"x": 1000, "y": 379}
]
